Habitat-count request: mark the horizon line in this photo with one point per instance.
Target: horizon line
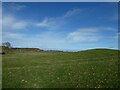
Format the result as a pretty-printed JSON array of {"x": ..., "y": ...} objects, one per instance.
[{"x": 73, "y": 50}]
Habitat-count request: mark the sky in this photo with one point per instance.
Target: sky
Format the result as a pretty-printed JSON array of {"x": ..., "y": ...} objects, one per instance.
[
  {"x": 0, "y": 22},
  {"x": 60, "y": 26}
]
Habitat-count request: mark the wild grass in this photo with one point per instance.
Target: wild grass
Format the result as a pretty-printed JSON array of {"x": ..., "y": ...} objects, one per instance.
[{"x": 85, "y": 69}]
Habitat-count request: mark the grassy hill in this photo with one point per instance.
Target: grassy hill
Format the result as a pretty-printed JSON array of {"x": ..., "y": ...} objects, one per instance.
[{"x": 97, "y": 68}]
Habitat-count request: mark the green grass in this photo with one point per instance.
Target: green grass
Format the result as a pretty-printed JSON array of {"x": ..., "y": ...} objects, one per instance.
[
  {"x": 0, "y": 68},
  {"x": 96, "y": 68}
]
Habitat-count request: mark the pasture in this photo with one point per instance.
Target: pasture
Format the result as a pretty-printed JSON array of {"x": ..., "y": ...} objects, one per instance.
[{"x": 97, "y": 68}]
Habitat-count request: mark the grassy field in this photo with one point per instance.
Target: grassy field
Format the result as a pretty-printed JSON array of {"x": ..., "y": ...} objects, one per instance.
[
  {"x": 0, "y": 69},
  {"x": 96, "y": 68}
]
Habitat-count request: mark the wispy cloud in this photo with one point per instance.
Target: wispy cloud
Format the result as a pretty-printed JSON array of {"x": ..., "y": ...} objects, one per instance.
[
  {"x": 108, "y": 28},
  {"x": 56, "y": 22},
  {"x": 93, "y": 34},
  {"x": 12, "y": 23},
  {"x": 54, "y": 40},
  {"x": 47, "y": 31},
  {"x": 15, "y": 7},
  {"x": 45, "y": 40},
  {"x": 18, "y": 7},
  {"x": 44, "y": 23},
  {"x": 84, "y": 35},
  {"x": 12, "y": 35},
  {"x": 72, "y": 12},
  {"x": 51, "y": 23}
]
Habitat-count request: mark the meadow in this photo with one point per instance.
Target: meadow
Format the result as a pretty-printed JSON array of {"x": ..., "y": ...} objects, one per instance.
[{"x": 97, "y": 68}]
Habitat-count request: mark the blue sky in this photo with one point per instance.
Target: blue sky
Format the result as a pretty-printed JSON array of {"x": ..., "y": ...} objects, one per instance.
[{"x": 61, "y": 26}]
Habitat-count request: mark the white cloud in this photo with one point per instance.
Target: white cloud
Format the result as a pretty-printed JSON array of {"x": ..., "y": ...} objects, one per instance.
[
  {"x": 84, "y": 35},
  {"x": 9, "y": 35},
  {"x": 50, "y": 23},
  {"x": 44, "y": 23},
  {"x": 72, "y": 12},
  {"x": 91, "y": 34},
  {"x": 45, "y": 40},
  {"x": 18, "y": 7},
  {"x": 12, "y": 23},
  {"x": 19, "y": 25},
  {"x": 15, "y": 7},
  {"x": 56, "y": 22},
  {"x": 53, "y": 40},
  {"x": 108, "y": 28}
]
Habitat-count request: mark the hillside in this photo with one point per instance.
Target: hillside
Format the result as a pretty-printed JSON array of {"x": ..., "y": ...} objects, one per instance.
[
  {"x": 37, "y": 49},
  {"x": 96, "y": 68},
  {"x": 14, "y": 50}
]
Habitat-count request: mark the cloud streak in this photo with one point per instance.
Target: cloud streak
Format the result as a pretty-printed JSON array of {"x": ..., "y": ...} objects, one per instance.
[
  {"x": 57, "y": 22},
  {"x": 53, "y": 40},
  {"x": 14, "y": 7},
  {"x": 51, "y": 23},
  {"x": 72, "y": 12},
  {"x": 12, "y": 23},
  {"x": 84, "y": 35},
  {"x": 45, "y": 40}
]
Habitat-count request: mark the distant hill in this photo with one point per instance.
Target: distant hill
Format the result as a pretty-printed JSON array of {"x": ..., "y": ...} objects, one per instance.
[
  {"x": 90, "y": 51},
  {"x": 9, "y": 50},
  {"x": 98, "y": 50},
  {"x": 28, "y": 49}
]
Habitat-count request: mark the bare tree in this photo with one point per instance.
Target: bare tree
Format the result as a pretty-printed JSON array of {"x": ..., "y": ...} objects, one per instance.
[{"x": 6, "y": 44}]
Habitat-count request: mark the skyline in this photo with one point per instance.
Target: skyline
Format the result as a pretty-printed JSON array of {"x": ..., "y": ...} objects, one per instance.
[{"x": 61, "y": 26}]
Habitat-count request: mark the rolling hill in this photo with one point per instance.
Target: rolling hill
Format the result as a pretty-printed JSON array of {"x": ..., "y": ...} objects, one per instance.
[{"x": 30, "y": 68}]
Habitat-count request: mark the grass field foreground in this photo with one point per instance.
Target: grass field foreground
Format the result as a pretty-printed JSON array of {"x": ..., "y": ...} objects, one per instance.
[{"x": 97, "y": 68}]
